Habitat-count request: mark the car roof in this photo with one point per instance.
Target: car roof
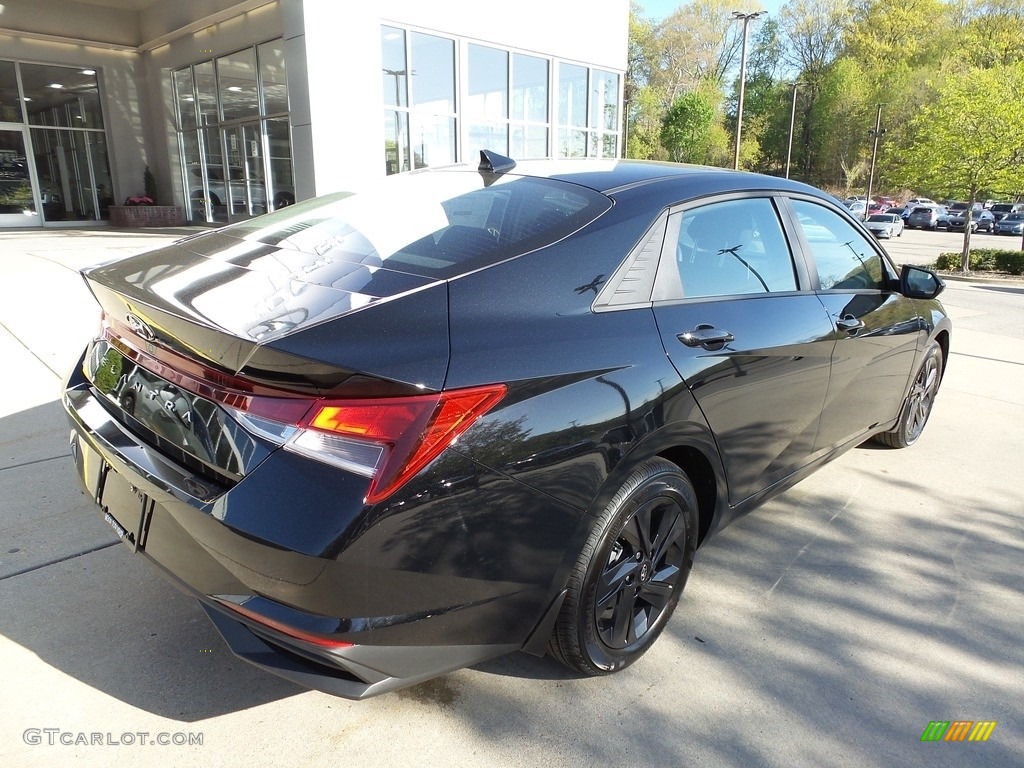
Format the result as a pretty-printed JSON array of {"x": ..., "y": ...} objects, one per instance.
[{"x": 614, "y": 176}]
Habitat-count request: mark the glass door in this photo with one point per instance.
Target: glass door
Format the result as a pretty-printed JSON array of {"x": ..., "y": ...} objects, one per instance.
[
  {"x": 244, "y": 170},
  {"x": 17, "y": 196}
]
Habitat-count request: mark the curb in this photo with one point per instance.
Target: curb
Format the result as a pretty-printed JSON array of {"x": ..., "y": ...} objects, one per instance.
[{"x": 1017, "y": 282}]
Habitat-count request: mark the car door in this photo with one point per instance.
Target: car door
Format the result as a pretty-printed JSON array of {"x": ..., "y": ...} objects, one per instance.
[
  {"x": 878, "y": 331},
  {"x": 753, "y": 348}
]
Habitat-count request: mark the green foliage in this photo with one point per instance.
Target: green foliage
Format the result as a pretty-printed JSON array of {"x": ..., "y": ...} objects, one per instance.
[
  {"x": 643, "y": 131},
  {"x": 970, "y": 137},
  {"x": 16, "y": 197},
  {"x": 923, "y": 60},
  {"x": 990, "y": 35},
  {"x": 985, "y": 260},
  {"x": 686, "y": 129},
  {"x": 982, "y": 259},
  {"x": 1011, "y": 262}
]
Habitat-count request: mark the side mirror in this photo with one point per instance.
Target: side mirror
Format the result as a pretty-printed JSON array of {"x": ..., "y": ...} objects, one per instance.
[{"x": 919, "y": 282}]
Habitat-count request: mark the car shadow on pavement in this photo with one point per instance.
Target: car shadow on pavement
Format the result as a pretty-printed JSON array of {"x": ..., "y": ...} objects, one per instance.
[
  {"x": 79, "y": 601},
  {"x": 857, "y": 626}
]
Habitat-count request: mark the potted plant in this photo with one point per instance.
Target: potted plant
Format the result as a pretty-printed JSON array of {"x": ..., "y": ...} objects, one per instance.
[{"x": 142, "y": 210}]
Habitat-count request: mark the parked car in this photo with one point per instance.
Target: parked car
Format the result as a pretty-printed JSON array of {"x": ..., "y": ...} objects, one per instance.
[
  {"x": 901, "y": 211},
  {"x": 999, "y": 210},
  {"x": 481, "y": 409},
  {"x": 1011, "y": 224},
  {"x": 916, "y": 201},
  {"x": 885, "y": 225},
  {"x": 856, "y": 207},
  {"x": 238, "y": 182},
  {"x": 981, "y": 220},
  {"x": 928, "y": 217}
]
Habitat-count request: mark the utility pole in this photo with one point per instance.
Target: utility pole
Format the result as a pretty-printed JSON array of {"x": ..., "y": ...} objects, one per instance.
[
  {"x": 876, "y": 133},
  {"x": 746, "y": 18}
]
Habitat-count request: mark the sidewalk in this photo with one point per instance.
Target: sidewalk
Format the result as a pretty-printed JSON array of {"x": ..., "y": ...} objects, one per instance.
[{"x": 46, "y": 317}]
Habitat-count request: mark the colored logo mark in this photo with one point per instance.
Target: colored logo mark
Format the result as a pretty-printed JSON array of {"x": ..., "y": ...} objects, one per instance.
[{"x": 959, "y": 730}]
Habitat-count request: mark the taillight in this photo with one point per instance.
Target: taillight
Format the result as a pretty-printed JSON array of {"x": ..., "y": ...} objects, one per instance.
[{"x": 387, "y": 440}]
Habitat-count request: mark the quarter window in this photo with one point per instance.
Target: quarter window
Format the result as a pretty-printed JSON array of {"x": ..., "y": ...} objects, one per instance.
[
  {"x": 734, "y": 247},
  {"x": 845, "y": 260}
]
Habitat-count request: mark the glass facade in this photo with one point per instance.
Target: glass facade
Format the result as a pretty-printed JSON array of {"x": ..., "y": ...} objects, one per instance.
[
  {"x": 53, "y": 159},
  {"x": 234, "y": 139},
  {"x": 445, "y": 99}
]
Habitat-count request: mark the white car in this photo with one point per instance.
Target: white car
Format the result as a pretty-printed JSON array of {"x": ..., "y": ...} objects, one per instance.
[{"x": 885, "y": 224}]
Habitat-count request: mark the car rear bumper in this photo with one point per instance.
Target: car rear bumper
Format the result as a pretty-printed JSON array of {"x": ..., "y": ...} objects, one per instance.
[{"x": 179, "y": 523}]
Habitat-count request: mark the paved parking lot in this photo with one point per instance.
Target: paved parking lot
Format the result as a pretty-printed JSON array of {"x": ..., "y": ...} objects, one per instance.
[{"x": 827, "y": 628}]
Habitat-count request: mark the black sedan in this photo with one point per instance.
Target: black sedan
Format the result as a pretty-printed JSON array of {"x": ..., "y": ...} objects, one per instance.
[{"x": 476, "y": 410}]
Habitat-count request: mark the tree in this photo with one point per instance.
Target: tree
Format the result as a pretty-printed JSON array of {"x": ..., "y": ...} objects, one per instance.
[
  {"x": 991, "y": 33},
  {"x": 814, "y": 31},
  {"x": 969, "y": 138},
  {"x": 642, "y": 107},
  {"x": 644, "y": 114},
  {"x": 698, "y": 45},
  {"x": 686, "y": 129}
]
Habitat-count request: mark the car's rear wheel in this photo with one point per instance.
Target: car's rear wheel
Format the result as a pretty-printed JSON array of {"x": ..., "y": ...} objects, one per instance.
[
  {"x": 918, "y": 405},
  {"x": 631, "y": 572}
]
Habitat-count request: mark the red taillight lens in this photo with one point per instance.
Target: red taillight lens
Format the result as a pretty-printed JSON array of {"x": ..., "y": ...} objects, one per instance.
[{"x": 407, "y": 432}]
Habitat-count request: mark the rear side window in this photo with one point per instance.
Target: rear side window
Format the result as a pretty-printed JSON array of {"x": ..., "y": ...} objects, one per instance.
[
  {"x": 733, "y": 247},
  {"x": 844, "y": 258},
  {"x": 435, "y": 224}
]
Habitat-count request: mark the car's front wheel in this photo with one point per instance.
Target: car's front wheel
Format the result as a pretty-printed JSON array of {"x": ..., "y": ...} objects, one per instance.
[
  {"x": 918, "y": 405},
  {"x": 631, "y": 572}
]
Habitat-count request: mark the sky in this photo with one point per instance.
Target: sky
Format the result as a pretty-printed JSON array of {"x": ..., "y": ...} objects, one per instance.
[{"x": 659, "y": 9}]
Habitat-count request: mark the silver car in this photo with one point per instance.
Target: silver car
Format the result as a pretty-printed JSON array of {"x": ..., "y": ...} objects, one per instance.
[
  {"x": 885, "y": 224},
  {"x": 928, "y": 217}
]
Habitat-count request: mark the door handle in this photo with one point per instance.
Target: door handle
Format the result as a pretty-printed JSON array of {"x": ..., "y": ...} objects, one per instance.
[
  {"x": 706, "y": 336},
  {"x": 849, "y": 323}
]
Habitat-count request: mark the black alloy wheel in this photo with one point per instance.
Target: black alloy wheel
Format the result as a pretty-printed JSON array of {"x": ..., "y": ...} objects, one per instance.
[
  {"x": 629, "y": 576},
  {"x": 918, "y": 405}
]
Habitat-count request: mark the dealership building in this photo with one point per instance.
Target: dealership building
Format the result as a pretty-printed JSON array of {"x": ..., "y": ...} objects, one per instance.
[{"x": 238, "y": 108}]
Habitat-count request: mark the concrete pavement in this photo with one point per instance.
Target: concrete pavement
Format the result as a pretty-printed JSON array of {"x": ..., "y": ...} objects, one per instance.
[{"x": 827, "y": 628}]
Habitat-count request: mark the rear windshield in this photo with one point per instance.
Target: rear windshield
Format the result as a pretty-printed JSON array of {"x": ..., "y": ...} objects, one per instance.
[{"x": 435, "y": 224}]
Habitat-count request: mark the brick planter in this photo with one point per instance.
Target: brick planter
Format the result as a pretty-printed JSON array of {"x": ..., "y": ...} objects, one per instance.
[{"x": 146, "y": 216}]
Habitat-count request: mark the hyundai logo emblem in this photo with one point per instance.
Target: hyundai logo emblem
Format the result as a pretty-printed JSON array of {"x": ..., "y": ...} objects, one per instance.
[{"x": 139, "y": 327}]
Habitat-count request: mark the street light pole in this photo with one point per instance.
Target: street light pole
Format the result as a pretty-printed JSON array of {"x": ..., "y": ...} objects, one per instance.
[
  {"x": 792, "y": 122},
  {"x": 876, "y": 133},
  {"x": 746, "y": 18}
]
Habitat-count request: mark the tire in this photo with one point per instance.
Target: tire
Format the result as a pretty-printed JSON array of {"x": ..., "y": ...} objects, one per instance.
[
  {"x": 630, "y": 574},
  {"x": 918, "y": 405}
]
